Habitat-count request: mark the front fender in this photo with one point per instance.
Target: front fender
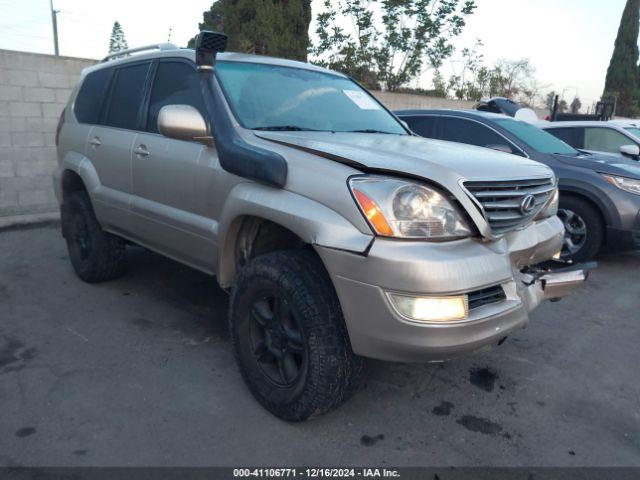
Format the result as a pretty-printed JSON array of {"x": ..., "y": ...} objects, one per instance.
[{"x": 313, "y": 222}]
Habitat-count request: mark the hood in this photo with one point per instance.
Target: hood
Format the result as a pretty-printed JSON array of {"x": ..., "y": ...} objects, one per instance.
[
  {"x": 412, "y": 155},
  {"x": 603, "y": 163}
]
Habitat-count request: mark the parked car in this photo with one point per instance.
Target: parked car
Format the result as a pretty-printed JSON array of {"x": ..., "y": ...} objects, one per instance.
[
  {"x": 338, "y": 233},
  {"x": 599, "y": 194},
  {"x": 614, "y": 137}
]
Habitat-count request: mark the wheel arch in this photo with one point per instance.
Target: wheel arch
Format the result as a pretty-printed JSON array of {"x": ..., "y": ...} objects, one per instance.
[
  {"x": 599, "y": 202},
  {"x": 596, "y": 206},
  {"x": 287, "y": 219}
]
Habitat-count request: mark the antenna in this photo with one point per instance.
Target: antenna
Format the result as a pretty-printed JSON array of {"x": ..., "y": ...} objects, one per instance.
[{"x": 170, "y": 32}]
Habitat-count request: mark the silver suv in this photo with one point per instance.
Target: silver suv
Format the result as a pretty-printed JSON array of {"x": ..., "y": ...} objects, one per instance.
[{"x": 339, "y": 233}]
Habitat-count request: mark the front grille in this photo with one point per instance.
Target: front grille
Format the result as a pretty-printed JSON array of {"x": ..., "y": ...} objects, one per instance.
[
  {"x": 486, "y": 296},
  {"x": 502, "y": 201}
]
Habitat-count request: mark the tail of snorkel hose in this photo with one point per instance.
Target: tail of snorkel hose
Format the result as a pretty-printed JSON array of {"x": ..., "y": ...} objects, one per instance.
[{"x": 235, "y": 154}]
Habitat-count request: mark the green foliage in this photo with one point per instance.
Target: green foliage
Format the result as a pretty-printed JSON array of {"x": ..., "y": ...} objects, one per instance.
[
  {"x": 279, "y": 28},
  {"x": 622, "y": 74},
  {"x": 117, "y": 42},
  {"x": 513, "y": 79},
  {"x": 387, "y": 42}
]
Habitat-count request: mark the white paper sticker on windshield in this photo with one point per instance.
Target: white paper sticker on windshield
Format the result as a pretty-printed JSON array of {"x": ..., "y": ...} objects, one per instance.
[{"x": 362, "y": 100}]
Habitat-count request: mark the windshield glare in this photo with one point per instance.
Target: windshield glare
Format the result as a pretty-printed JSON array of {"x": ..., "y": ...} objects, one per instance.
[
  {"x": 536, "y": 138},
  {"x": 272, "y": 97}
]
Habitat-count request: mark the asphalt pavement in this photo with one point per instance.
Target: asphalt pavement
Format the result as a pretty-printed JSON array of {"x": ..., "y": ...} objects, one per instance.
[{"x": 140, "y": 371}]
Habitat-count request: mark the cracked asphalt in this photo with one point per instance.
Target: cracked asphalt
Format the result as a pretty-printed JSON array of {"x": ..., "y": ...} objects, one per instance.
[{"x": 140, "y": 372}]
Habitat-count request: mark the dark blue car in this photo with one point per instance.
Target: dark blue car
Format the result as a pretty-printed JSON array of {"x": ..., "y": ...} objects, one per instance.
[{"x": 599, "y": 193}]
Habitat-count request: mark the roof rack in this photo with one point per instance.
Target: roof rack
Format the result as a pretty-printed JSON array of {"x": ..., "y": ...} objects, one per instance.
[{"x": 129, "y": 51}]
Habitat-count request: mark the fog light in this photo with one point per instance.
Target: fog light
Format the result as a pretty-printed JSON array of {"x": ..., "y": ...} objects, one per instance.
[
  {"x": 557, "y": 255},
  {"x": 431, "y": 309}
]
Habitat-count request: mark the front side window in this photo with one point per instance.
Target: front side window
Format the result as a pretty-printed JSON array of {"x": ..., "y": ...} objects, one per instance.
[
  {"x": 635, "y": 131},
  {"x": 89, "y": 100},
  {"x": 271, "y": 97},
  {"x": 126, "y": 96},
  {"x": 604, "y": 140},
  {"x": 176, "y": 83},
  {"x": 536, "y": 138},
  {"x": 423, "y": 125},
  {"x": 570, "y": 136},
  {"x": 471, "y": 132}
]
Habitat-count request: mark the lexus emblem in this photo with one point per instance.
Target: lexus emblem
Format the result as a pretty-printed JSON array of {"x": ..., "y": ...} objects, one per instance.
[{"x": 527, "y": 204}]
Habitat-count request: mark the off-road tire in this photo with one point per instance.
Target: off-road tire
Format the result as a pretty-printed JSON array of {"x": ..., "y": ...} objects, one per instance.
[
  {"x": 595, "y": 228},
  {"x": 332, "y": 373},
  {"x": 96, "y": 255}
]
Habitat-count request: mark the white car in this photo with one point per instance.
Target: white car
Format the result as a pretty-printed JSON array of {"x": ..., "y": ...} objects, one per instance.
[{"x": 620, "y": 137}]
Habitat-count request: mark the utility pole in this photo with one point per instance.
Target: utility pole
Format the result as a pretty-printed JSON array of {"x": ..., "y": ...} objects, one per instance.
[{"x": 54, "y": 22}]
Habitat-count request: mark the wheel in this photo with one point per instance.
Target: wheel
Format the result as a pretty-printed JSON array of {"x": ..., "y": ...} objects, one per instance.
[
  {"x": 289, "y": 336},
  {"x": 584, "y": 229},
  {"x": 96, "y": 255}
]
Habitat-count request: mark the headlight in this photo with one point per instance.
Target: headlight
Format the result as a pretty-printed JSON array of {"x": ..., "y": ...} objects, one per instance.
[
  {"x": 405, "y": 209},
  {"x": 627, "y": 184},
  {"x": 552, "y": 207}
]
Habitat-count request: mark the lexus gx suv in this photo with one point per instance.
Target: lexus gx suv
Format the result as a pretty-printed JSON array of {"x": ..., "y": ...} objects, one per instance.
[{"x": 338, "y": 233}]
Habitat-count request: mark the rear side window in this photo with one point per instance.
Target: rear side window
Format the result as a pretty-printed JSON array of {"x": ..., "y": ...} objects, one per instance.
[
  {"x": 126, "y": 96},
  {"x": 176, "y": 83},
  {"x": 89, "y": 100},
  {"x": 423, "y": 126}
]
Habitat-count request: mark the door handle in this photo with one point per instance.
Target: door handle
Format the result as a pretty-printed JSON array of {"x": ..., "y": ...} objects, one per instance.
[
  {"x": 141, "y": 151},
  {"x": 95, "y": 142}
]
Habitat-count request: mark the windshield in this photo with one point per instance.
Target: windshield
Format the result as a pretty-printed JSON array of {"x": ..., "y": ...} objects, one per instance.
[
  {"x": 536, "y": 138},
  {"x": 271, "y": 97},
  {"x": 635, "y": 131}
]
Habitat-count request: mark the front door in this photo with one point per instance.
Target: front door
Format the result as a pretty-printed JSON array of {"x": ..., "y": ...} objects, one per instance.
[{"x": 166, "y": 173}]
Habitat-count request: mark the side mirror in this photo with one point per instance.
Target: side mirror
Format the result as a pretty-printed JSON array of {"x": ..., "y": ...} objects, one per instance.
[
  {"x": 183, "y": 122},
  {"x": 630, "y": 150},
  {"x": 500, "y": 147}
]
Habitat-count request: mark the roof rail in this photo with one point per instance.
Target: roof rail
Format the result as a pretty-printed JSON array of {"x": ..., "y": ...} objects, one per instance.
[{"x": 129, "y": 51}]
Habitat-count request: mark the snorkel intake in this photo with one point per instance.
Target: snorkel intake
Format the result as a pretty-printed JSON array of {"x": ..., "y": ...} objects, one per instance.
[{"x": 235, "y": 154}]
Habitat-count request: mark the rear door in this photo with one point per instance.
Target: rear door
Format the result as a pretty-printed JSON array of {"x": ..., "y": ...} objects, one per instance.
[
  {"x": 167, "y": 172},
  {"x": 109, "y": 144}
]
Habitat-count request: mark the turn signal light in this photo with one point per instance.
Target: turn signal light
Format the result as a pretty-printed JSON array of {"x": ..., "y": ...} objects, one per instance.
[{"x": 373, "y": 213}]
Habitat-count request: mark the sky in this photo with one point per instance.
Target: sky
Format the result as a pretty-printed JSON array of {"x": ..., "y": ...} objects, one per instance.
[{"x": 568, "y": 41}]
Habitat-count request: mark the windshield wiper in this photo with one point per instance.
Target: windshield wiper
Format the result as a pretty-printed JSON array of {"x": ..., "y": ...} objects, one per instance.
[
  {"x": 370, "y": 130},
  {"x": 286, "y": 128}
]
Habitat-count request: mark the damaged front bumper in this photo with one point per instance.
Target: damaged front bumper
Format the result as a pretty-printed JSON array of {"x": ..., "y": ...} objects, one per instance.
[{"x": 495, "y": 278}]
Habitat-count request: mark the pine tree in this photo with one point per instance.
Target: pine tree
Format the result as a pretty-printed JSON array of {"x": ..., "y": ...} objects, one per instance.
[
  {"x": 117, "y": 42},
  {"x": 622, "y": 76},
  {"x": 279, "y": 28}
]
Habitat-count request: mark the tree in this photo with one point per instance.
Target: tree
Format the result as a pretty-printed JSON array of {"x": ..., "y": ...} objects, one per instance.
[
  {"x": 513, "y": 79},
  {"x": 622, "y": 75},
  {"x": 575, "y": 106},
  {"x": 388, "y": 42},
  {"x": 265, "y": 27},
  {"x": 117, "y": 42}
]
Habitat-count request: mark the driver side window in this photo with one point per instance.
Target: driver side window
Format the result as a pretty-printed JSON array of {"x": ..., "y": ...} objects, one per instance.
[
  {"x": 604, "y": 140},
  {"x": 473, "y": 133}
]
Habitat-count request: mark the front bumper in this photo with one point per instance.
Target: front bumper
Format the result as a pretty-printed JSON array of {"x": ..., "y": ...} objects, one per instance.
[{"x": 376, "y": 329}]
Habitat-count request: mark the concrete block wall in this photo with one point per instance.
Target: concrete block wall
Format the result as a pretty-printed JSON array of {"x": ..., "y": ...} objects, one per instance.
[{"x": 34, "y": 89}]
